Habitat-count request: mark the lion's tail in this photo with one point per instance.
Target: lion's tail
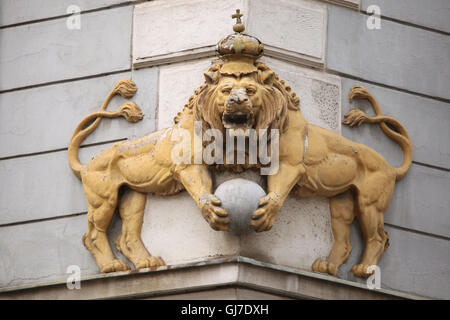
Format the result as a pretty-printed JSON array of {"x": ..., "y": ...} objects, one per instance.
[
  {"x": 399, "y": 135},
  {"x": 129, "y": 110}
]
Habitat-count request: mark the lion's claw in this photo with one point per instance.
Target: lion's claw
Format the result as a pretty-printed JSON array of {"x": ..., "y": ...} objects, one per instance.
[
  {"x": 264, "y": 217},
  {"x": 361, "y": 270},
  {"x": 216, "y": 216},
  {"x": 114, "y": 266},
  {"x": 324, "y": 266},
  {"x": 150, "y": 262}
]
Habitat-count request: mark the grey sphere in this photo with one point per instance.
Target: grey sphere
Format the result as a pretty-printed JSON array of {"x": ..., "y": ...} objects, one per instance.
[{"x": 240, "y": 198}]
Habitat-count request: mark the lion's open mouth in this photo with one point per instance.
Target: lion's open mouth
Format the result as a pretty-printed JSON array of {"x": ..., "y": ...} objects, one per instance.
[{"x": 236, "y": 120}]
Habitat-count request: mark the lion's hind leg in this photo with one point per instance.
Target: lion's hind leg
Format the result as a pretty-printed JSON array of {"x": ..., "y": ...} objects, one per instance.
[
  {"x": 100, "y": 213},
  {"x": 342, "y": 215},
  {"x": 131, "y": 208},
  {"x": 371, "y": 222}
]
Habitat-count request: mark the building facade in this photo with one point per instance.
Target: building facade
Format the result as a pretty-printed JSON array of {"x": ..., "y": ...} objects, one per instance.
[{"x": 59, "y": 60}]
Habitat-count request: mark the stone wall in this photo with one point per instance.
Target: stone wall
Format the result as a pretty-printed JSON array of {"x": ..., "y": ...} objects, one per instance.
[{"x": 51, "y": 77}]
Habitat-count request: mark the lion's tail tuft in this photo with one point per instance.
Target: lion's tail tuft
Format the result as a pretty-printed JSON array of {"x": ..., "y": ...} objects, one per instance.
[
  {"x": 129, "y": 110},
  {"x": 399, "y": 135}
]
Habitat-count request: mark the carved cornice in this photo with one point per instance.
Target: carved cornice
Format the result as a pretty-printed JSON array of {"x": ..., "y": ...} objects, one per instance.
[
  {"x": 351, "y": 4},
  {"x": 210, "y": 51},
  {"x": 225, "y": 272}
]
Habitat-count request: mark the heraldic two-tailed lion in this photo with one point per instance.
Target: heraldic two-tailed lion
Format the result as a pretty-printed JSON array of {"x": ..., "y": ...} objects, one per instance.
[{"x": 240, "y": 92}]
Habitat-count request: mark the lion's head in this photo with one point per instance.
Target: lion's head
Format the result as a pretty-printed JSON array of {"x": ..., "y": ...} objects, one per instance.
[{"x": 243, "y": 95}]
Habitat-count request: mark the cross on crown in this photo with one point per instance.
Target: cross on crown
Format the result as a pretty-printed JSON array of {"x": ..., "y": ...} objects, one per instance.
[{"x": 239, "y": 26}]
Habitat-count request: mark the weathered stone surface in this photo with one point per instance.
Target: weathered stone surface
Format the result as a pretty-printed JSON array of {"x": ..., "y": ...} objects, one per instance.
[
  {"x": 164, "y": 27},
  {"x": 421, "y": 201},
  {"x": 147, "y": 98},
  {"x": 174, "y": 31},
  {"x": 246, "y": 278},
  {"x": 224, "y": 294},
  {"x": 301, "y": 233},
  {"x": 319, "y": 93},
  {"x": 426, "y": 121},
  {"x": 431, "y": 14},
  {"x": 175, "y": 229},
  {"x": 305, "y": 33},
  {"x": 177, "y": 83},
  {"x": 48, "y": 51},
  {"x": 240, "y": 198},
  {"x": 44, "y": 118},
  {"x": 42, "y": 251},
  {"x": 41, "y": 186},
  {"x": 397, "y": 55},
  {"x": 413, "y": 263},
  {"x": 352, "y": 4},
  {"x": 19, "y": 11}
]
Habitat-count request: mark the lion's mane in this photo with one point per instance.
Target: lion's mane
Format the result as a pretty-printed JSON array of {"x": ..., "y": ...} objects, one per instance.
[{"x": 278, "y": 98}]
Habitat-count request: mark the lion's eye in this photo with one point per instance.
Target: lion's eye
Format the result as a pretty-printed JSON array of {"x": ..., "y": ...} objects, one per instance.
[
  {"x": 226, "y": 90},
  {"x": 250, "y": 91}
]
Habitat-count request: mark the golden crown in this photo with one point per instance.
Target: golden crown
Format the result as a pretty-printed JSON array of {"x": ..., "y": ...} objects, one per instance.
[{"x": 239, "y": 44}]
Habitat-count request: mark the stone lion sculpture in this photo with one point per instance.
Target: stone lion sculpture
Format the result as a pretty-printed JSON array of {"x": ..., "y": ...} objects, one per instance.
[{"x": 240, "y": 92}]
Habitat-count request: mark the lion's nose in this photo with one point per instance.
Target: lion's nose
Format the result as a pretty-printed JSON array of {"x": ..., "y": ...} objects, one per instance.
[{"x": 236, "y": 98}]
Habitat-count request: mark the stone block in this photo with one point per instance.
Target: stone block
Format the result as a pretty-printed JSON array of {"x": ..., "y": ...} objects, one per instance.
[
  {"x": 177, "y": 82},
  {"x": 21, "y": 11},
  {"x": 396, "y": 55},
  {"x": 41, "y": 186},
  {"x": 162, "y": 28},
  {"x": 351, "y": 4},
  {"x": 295, "y": 30},
  {"x": 41, "y": 252},
  {"x": 301, "y": 234},
  {"x": 48, "y": 51},
  {"x": 426, "y": 121},
  {"x": 319, "y": 93},
  {"x": 421, "y": 201},
  {"x": 44, "y": 118},
  {"x": 414, "y": 263},
  {"x": 174, "y": 31},
  {"x": 430, "y": 14},
  {"x": 175, "y": 230}
]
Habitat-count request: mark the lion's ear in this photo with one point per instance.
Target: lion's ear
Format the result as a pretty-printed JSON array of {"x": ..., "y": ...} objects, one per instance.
[
  {"x": 210, "y": 77},
  {"x": 267, "y": 76}
]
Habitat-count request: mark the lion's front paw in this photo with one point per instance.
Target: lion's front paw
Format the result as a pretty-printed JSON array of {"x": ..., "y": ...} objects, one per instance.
[
  {"x": 264, "y": 217},
  {"x": 214, "y": 214},
  {"x": 362, "y": 270},
  {"x": 324, "y": 266},
  {"x": 150, "y": 262},
  {"x": 114, "y": 266}
]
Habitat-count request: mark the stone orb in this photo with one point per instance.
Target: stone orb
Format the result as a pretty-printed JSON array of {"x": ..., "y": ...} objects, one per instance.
[{"x": 240, "y": 199}]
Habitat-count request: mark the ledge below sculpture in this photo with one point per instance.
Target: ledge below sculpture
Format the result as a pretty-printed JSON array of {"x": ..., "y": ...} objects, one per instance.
[{"x": 232, "y": 277}]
